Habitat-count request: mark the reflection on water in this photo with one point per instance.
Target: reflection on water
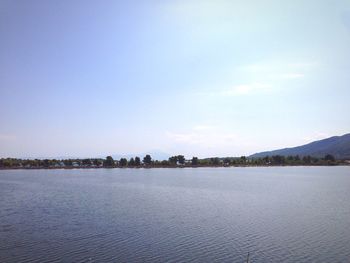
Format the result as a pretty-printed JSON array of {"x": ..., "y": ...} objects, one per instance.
[{"x": 286, "y": 214}]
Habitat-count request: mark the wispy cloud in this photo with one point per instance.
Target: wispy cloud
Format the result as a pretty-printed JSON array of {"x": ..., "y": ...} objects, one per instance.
[{"x": 261, "y": 78}]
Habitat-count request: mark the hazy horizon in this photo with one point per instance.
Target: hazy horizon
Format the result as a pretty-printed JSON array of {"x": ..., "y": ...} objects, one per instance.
[
  {"x": 199, "y": 78},
  {"x": 155, "y": 154}
]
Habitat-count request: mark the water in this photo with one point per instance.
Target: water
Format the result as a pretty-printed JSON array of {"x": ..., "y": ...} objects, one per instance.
[{"x": 282, "y": 214}]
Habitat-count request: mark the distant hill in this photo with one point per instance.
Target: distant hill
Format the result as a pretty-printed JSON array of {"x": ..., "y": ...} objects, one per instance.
[{"x": 338, "y": 146}]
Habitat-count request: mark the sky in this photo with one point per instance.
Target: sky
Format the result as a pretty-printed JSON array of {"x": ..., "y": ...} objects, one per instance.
[{"x": 199, "y": 78}]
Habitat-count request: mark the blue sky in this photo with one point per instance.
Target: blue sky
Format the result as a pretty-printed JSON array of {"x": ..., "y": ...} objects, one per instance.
[{"x": 203, "y": 78}]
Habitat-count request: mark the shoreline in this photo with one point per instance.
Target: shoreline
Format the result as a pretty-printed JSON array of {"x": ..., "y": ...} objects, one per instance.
[{"x": 168, "y": 167}]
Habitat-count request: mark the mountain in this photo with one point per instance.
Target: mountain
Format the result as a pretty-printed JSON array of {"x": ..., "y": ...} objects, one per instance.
[{"x": 338, "y": 146}]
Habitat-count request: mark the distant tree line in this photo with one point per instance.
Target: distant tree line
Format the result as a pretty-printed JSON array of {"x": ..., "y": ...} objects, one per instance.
[{"x": 173, "y": 161}]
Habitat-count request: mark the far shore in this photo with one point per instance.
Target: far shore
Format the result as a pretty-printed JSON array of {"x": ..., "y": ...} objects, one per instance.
[
  {"x": 168, "y": 167},
  {"x": 177, "y": 161}
]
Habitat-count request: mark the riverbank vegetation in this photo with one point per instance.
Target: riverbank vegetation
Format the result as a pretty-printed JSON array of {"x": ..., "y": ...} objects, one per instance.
[{"x": 173, "y": 161}]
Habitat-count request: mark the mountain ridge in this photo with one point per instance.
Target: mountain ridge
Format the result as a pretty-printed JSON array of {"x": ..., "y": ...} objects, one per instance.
[{"x": 338, "y": 146}]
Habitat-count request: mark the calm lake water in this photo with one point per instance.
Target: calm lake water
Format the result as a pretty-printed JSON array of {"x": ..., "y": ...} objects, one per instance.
[{"x": 280, "y": 214}]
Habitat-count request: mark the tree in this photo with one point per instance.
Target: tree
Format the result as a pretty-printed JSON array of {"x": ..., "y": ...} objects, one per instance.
[
  {"x": 278, "y": 159},
  {"x": 266, "y": 159},
  {"x": 147, "y": 159},
  {"x": 181, "y": 159},
  {"x": 173, "y": 160},
  {"x": 329, "y": 158},
  {"x": 227, "y": 161},
  {"x": 215, "y": 161},
  {"x": 8, "y": 162},
  {"x": 109, "y": 162},
  {"x": 314, "y": 160},
  {"x": 204, "y": 161},
  {"x": 290, "y": 158},
  {"x": 137, "y": 161},
  {"x": 164, "y": 163},
  {"x": 123, "y": 162},
  {"x": 307, "y": 159},
  {"x": 132, "y": 162},
  {"x": 243, "y": 159},
  {"x": 46, "y": 162},
  {"x": 258, "y": 161},
  {"x": 194, "y": 161},
  {"x": 97, "y": 162}
]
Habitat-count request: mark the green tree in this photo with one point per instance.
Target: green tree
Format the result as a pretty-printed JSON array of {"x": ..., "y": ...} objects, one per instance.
[
  {"x": 97, "y": 162},
  {"x": 278, "y": 159},
  {"x": 173, "y": 160},
  {"x": 147, "y": 159},
  {"x": 181, "y": 159},
  {"x": 215, "y": 161},
  {"x": 8, "y": 162},
  {"x": 109, "y": 162},
  {"x": 164, "y": 163},
  {"x": 137, "y": 161},
  {"x": 266, "y": 159},
  {"x": 243, "y": 159},
  {"x": 132, "y": 162},
  {"x": 123, "y": 162},
  {"x": 314, "y": 160},
  {"x": 259, "y": 161},
  {"x": 46, "y": 163},
  {"x": 227, "y": 161},
  {"x": 194, "y": 161},
  {"x": 329, "y": 158},
  {"x": 307, "y": 159},
  {"x": 290, "y": 159}
]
